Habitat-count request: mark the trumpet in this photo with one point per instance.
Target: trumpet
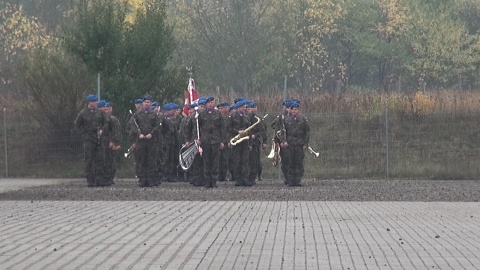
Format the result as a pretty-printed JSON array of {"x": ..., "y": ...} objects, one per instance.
[
  {"x": 129, "y": 152},
  {"x": 243, "y": 136},
  {"x": 316, "y": 154}
]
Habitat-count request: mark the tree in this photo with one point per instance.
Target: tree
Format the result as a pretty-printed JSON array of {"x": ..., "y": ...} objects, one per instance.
[
  {"x": 230, "y": 43},
  {"x": 132, "y": 58},
  {"x": 54, "y": 86}
]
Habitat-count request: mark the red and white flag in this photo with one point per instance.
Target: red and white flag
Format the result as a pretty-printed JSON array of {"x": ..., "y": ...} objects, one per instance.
[{"x": 191, "y": 95}]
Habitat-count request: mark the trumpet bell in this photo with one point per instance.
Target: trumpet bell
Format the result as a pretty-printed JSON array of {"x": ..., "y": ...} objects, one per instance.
[{"x": 272, "y": 152}]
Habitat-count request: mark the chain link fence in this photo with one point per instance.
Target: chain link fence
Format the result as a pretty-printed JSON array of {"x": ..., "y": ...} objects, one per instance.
[{"x": 351, "y": 145}]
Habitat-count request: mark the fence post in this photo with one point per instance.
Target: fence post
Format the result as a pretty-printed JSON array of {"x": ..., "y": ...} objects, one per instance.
[
  {"x": 387, "y": 172},
  {"x": 5, "y": 136}
]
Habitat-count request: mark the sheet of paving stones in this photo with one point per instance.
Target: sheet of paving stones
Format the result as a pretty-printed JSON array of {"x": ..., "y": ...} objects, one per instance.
[
  {"x": 239, "y": 235},
  {"x": 269, "y": 190}
]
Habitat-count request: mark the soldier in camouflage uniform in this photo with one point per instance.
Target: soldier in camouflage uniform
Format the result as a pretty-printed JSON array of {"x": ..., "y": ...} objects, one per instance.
[
  {"x": 225, "y": 152},
  {"x": 144, "y": 141},
  {"x": 295, "y": 142},
  {"x": 236, "y": 125},
  {"x": 212, "y": 140},
  {"x": 258, "y": 140},
  {"x": 91, "y": 124},
  {"x": 111, "y": 142},
  {"x": 278, "y": 126},
  {"x": 131, "y": 126},
  {"x": 185, "y": 134},
  {"x": 169, "y": 155}
]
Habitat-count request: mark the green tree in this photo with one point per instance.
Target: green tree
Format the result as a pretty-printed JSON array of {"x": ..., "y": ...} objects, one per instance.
[
  {"x": 230, "y": 43},
  {"x": 53, "y": 86},
  {"x": 132, "y": 58}
]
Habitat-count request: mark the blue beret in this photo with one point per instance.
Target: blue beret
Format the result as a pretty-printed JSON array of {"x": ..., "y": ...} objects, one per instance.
[
  {"x": 222, "y": 104},
  {"x": 101, "y": 103},
  {"x": 138, "y": 101},
  {"x": 176, "y": 106},
  {"x": 202, "y": 101},
  {"x": 156, "y": 104},
  {"x": 192, "y": 106},
  {"x": 168, "y": 106},
  {"x": 232, "y": 107},
  {"x": 295, "y": 104},
  {"x": 239, "y": 99},
  {"x": 240, "y": 103},
  {"x": 209, "y": 99},
  {"x": 109, "y": 104},
  {"x": 251, "y": 104},
  {"x": 147, "y": 98},
  {"x": 286, "y": 102},
  {"x": 92, "y": 98}
]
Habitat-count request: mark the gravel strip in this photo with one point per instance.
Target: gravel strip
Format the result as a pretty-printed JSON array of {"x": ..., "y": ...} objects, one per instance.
[{"x": 266, "y": 190}]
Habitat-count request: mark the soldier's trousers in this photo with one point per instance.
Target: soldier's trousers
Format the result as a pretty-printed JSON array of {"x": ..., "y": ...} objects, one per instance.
[
  {"x": 295, "y": 154},
  {"x": 224, "y": 156},
  {"x": 90, "y": 148},
  {"x": 240, "y": 162},
  {"x": 211, "y": 159},
  {"x": 146, "y": 156},
  {"x": 253, "y": 162}
]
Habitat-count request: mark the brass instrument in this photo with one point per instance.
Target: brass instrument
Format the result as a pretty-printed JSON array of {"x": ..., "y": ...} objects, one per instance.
[
  {"x": 129, "y": 152},
  {"x": 316, "y": 154},
  {"x": 275, "y": 154},
  {"x": 243, "y": 136},
  {"x": 187, "y": 155}
]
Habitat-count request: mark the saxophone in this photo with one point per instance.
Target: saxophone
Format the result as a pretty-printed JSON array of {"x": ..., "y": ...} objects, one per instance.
[{"x": 243, "y": 136}]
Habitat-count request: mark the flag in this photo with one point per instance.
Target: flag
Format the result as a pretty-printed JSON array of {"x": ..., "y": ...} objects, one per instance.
[{"x": 191, "y": 95}]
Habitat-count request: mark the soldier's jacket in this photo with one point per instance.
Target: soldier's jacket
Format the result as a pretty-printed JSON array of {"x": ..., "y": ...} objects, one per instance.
[
  {"x": 212, "y": 127},
  {"x": 260, "y": 132},
  {"x": 297, "y": 130},
  {"x": 148, "y": 122},
  {"x": 186, "y": 129},
  {"x": 170, "y": 135},
  {"x": 114, "y": 130},
  {"x": 89, "y": 122},
  {"x": 237, "y": 121}
]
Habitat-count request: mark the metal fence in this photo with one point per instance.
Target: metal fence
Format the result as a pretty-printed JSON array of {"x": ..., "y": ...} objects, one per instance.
[{"x": 351, "y": 145}]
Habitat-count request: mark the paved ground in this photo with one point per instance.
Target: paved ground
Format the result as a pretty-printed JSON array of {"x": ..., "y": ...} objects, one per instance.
[{"x": 238, "y": 235}]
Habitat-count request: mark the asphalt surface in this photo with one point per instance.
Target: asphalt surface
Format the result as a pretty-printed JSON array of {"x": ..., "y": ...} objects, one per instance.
[{"x": 325, "y": 224}]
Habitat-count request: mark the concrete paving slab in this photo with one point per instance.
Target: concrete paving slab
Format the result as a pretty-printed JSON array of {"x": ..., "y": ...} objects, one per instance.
[{"x": 239, "y": 235}]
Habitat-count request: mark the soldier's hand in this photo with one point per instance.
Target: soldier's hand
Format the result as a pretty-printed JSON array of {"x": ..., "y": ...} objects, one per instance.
[
  {"x": 141, "y": 136},
  {"x": 222, "y": 146},
  {"x": 134, "y": 146},
  {"x": 264, "y": 146},
  {"x": 241, "y": 132},
  {"x": 148, "y": 136},
  {"x": 198, "y": 142},
  {"x": 100, "y": 133},
  {"x": 284, "y": 144},
  {"x": 253, "y": 136},
  {"x": 111, "y": 145},
  {"x": 117, "y": 147}
]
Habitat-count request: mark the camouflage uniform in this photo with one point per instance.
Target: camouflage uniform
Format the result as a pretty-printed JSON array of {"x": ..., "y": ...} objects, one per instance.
[
  {"x": 113, "y": 135},
  {"x": 259, "y": 134},
  {"x": 212, "y": 134},
  {"x": 239, "y": 121},
  {"x": 297, "y": 136},
  {"x": 88, "y": 123},
  {"x": 148, "y": 123},
  {"x": 277, "y": 125},
  {"x": 169, "y": 153}
]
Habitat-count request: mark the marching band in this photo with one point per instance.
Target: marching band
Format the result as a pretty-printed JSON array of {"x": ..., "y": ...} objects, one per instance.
[{"x": 199, "y": 146}]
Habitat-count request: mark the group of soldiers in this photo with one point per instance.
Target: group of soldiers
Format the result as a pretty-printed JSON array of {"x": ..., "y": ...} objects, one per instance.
[{"x": 226, "y": 138}]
